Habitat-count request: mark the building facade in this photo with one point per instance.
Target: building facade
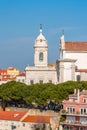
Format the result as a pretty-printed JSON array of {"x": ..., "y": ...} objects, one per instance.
[
  {"x": 72, "y": 62},
  {"x": 21, "y": 77},
  {"x": 13, "y": 72},
  {"x": 75, "y": 110},
  {"x": 70, "y": 66},
  {"x": 15, "y": 120},
  {"x": 41, "y": 72},
  {"x": 8, "y": 74}
]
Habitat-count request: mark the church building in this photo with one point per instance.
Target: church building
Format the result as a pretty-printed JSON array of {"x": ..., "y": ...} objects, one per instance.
[
  {"x": 72, "y": 64},
  {"x": 41, "y": 72}
]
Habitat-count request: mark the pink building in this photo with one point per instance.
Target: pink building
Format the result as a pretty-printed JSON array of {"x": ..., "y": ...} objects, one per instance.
[{"x": 75, "y": 111}]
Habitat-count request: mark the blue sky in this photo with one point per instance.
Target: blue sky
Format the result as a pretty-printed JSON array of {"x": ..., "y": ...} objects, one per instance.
[{"x": 20, "y": 22}]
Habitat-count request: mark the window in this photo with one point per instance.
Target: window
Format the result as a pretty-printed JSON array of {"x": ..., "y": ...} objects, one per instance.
[
  {"x": 78, "y": 77},
  {"x": 70, "y": 110},
  {"x": 40, "y": 40},
  {"x": 31, "y": 82},
  {"x": 23, "y": 124},
  {"x": 73, "y": 110},
  {"x": 84, "y": 111},
  {"x": 71, "y": 128},
  {"x": 84, "y": 100},
  {"x": 41, "y": 81},
  {"x": 18, "y": 80},
  {"x": 22, "y": 80},
  {"x": 66, "y": 128},
  {"x": 50, "y": 81},
  {"x": 81, "y": 128},
  {"x": 81, "y": 111},
  {"x": 41, "y": 56},
  {"x": 67, "y": 109}
]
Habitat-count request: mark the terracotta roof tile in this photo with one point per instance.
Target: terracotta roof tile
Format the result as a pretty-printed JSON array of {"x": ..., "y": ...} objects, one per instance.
[
  {"x": 37, "y": 119},
  {"x": 21, "y": 74},
  {"x": 12, "y": 68},
  {"x": 8, "y": 115},
  {"x": 81, "y": 70},
  {"x": 3, "y": 71},
  {"x": 76, "y": 46}
]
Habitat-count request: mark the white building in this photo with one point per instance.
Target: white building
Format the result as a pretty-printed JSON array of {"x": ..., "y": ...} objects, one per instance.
[
  {"x": 14, "y": 120},
  {"x": 41, "y": 72},
  {"x": 20, "y": 77},
  {"x": 72, "y": 63}
]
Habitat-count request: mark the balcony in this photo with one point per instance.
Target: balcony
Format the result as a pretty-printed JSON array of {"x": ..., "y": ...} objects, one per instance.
[
  {"x": 73, "y": 114},
  {"x": 76, "y": 123}
]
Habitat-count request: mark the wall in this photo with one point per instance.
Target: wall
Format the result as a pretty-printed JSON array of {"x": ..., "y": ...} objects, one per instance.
[
  {"x": 7, "y": 125},
  {"x": 43, "y": 74},
  {"x": 67, "y": 71},
  {"x": 20, "y": 79},
  {"x": 81, "y": 58}
]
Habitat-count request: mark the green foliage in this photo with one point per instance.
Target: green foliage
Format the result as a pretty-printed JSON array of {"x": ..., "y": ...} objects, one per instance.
[
  {"x": 50, "y": 128},
  {"x": 62, "y": 118},
  {"x": 39, "y": 93}
]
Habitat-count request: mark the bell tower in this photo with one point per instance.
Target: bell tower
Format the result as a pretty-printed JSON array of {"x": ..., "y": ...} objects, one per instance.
[{"x": 40, "y": 51}]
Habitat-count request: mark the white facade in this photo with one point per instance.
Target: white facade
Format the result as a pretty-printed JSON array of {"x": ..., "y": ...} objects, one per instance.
[
  {"x": 20, "y": 79},
  {"x": 13, "y": 125},
  {"x": 41, "y": 75},
  {"x": 81, "y": 62},
  {"x": 66, "y": 68},
  {"x": 18, "y": 125},
  {"x": 72, "y": 62},
  {"x": 41, "y": 51},
  {"x": 41, "y": 72}
]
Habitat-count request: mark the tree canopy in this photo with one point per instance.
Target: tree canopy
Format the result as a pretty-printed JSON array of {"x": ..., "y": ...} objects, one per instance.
[{"x": 38, "y": 93}]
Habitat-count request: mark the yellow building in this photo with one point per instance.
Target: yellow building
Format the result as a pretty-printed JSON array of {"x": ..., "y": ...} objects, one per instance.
[{"x": 13, "y": 72}]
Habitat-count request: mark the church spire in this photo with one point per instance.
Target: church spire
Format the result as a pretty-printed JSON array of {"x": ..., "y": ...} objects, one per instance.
[
  {"x": 62, "y": 41},
  {"x": 63, "y": 32},
  {"x": 40, "y": 28}
]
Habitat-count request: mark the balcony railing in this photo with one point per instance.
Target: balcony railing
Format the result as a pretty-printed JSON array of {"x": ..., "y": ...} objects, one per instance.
[
  {"x": 76, "y": 123},
  {"x": 73, "y": 113}
]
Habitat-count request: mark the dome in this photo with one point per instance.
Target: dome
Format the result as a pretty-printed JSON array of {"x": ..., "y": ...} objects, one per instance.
[{"x": 40, "y": 40}]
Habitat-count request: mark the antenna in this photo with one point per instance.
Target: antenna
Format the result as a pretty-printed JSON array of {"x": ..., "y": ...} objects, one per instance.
[
  {"x": 62, "y": 31},
  {"x": 40, "y": 26}
]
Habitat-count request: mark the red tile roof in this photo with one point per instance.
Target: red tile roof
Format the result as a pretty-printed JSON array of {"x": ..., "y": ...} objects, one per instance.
[
  {"x": 3, "y": 71},
  {"x": 21, "y": 74},
  {"x": 76, "y": 46},
  {"x": 37, "y": 119},
  {"x": 8, "y": 115},
  {"x": 12, "y": 68},
  {"x": 81, "y": 70}
]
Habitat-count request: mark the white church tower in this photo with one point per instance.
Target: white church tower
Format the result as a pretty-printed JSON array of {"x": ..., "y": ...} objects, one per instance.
[
  {"x": 66, "y": 65},
  {"x": 41, "y": 72},
  {"x": 40, "y": 51}
]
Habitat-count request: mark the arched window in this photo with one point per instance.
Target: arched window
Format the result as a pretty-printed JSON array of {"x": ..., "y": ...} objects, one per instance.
[{"x": 41, "y": 56}]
